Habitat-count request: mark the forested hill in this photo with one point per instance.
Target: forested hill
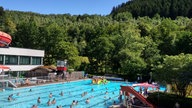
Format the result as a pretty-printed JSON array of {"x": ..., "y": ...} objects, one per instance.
[
  {"x": 165, "y": 8},
  {"x": 104, "y": 44}
]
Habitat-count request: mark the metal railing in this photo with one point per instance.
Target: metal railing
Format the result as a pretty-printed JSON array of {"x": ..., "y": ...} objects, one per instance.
[
  {"x": 39, "y": 79},
  {"x": 137, "y": 106}
]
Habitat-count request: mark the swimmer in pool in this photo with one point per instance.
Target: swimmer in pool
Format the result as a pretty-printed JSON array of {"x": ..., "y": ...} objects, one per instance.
[
  {"x": 59, "y": 106},
  {"x": 11, "y": 95},
  {"x": 77, "y": 102},
  {"x": 34, "y": 106},
  {"x": 114, "y": 103},
  {"x": 39, "y": 100},
  {"x": 49, "y": 102},
  {"x": 18, "y": 94},
  {"x": 9, "y": 98},
  {"x": 50, "y": 95},
  {"x": 87, "y": 101},
  {"x": 61, "y": 93},
  {"x": 106, "y": 92},
  {"x": 73, "y": 103},
  {"x": 53, "y": 101}
]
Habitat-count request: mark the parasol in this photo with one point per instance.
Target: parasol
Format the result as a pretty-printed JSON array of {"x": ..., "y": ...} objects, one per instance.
[
  {"x": 146, "y": 85},
  {"x": 4, "y": 68}
]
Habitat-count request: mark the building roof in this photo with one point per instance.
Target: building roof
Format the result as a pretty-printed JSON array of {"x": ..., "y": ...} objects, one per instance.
[
  {"x": 21, "y": 51},
  {"x": 47, "y": 68}
]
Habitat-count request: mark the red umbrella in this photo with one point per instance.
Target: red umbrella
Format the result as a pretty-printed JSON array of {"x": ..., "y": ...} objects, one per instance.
[
  {"x": 145, "y": 85},
  {"x": 4, "y": 68}
]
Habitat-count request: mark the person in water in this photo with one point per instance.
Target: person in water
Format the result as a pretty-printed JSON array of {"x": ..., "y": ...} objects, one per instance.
[
  {"x": 53, "y": 101},
  {"x": 73, "y": 103},
  {"x": 106, "y": 92},
  {"x": 59, "y": 106},
  {"x": 92, "y": 89},
  {"x": 11, "y": 95},
  {"x": 49, "y": 102},
  {"x": 34, "y": 106},
  {"x": 87, "y": 101},
  {"x": 50, "y": 95},
  {"x": 61, "y": 93},
  {"x": 39, "y": 100},
  {"x": 9, "y": 98},
  {"x": 114, "y": 103},
  {"x": 77, "y": 102},
  {"x": 18, "y": 94}
]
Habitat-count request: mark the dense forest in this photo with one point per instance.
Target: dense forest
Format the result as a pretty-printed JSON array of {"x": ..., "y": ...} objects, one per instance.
[
  {"x": 116, "y": 44},
  {"x": 165, "y": 8}
]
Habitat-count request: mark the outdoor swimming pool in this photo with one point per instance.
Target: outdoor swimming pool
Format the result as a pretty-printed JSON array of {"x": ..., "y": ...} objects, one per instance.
[{"x": 72, "y": 91}]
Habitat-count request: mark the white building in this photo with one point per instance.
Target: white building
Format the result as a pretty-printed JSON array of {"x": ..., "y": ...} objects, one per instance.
[{"x": 21, "y": 59}]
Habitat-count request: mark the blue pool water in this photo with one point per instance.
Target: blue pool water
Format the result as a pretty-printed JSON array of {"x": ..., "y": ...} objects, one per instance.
[{"x": 72, "y": 91}]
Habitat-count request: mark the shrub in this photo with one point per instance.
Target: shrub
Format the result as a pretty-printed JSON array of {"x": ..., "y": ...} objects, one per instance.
[{"x": 165, "y": 100}]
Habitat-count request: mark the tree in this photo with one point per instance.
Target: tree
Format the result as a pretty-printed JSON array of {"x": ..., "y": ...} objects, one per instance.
[
  {"x": 165, "y": 36},
  {"x": 131, "y": 63},
  {"x": 166, "y": 8},
  {"x": 1, "y": 16},
  {"x": 130, "y": 46},
  {"x": 100, "y": 51},
  {"x": 184, "y": 43},
  {"x": 26, "y": 35},
  {"x": 175, "y": 70},
  {"x": 67, "y": 50},
  {"x": 124, "y": 16},
  {"x": 9, "y": 26}
]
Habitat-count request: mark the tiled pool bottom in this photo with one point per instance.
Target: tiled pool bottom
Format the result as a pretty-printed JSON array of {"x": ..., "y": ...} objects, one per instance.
[{"x": 72, "y": 91}]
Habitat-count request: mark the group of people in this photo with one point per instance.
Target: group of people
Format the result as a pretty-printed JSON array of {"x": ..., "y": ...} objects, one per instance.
[
  {"x": 99, "y": 80},
  {"x": 87, "y": 101},
  {"x": 130, "y": 101},
  {"x": 10, "y": 97},
  {"x": 51, "y": 102},
  {"x": 83, "y": 94}
]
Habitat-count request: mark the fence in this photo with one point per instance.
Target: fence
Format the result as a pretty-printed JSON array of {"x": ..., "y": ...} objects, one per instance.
[
  {"x": 51, "y": 78},
  {"x": 136, "y": 106}
]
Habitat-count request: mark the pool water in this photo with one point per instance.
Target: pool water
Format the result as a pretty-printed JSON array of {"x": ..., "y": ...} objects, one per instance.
[{"x": 71, "y": 90}]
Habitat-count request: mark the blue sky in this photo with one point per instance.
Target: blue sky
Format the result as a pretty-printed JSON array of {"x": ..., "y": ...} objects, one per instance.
[{"x": 74, "y": 7}]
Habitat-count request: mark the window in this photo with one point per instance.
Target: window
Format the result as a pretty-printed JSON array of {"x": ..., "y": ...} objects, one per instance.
[
  {"x": 36, "y": 60},
  {"x": 1, "y": 59},
  {"x": 24, "y": 60},
  {"x": 11, "y": 60}
]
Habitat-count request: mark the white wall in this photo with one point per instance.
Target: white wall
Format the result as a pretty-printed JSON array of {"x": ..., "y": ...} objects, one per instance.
[{"x": 21, "y": 52}]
